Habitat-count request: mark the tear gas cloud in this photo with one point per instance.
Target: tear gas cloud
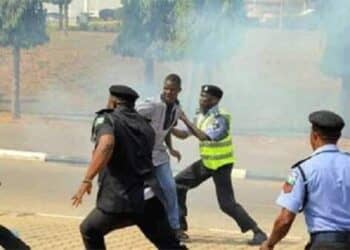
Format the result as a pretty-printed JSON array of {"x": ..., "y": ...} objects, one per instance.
[{"x": 270, "y": 72}]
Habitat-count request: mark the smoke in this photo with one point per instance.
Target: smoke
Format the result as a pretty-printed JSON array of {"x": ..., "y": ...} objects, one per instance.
[{"x": 271, "y": 77}]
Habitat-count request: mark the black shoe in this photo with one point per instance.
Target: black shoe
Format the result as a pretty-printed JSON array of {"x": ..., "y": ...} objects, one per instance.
[
  {"x": 258, "y": 238},
  {"x": 181, "y": 235}
]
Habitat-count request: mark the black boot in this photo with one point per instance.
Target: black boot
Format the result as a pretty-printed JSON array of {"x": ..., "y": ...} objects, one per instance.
[{"x": 258, "y": 238}]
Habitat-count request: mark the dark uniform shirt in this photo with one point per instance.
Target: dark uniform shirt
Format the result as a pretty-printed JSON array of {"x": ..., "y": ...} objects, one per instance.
[{"x": 122, "y": 181}]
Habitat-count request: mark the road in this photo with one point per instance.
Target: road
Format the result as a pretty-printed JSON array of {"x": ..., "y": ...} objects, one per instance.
[{"x": 34, "y": 187}]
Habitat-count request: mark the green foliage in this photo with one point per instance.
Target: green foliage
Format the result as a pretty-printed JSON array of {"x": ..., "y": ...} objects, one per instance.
[
  {"x": 336, "y": 57},
  {"x": 22, "y": 23},
  {"x": 201, "y": 30},
  {"x": 147, "y": 29}
]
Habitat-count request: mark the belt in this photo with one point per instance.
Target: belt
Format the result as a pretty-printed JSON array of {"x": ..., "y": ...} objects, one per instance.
[{"x": 331, "y": 237}]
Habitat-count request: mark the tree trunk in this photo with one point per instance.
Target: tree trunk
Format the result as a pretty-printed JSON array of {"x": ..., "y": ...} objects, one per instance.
[
  {"x": 66, "y": 17},
  {"x": 345, "y": 104},
  {"x": 60, "y": 20},
  {"x": 149, "y": 71},
  {"x": 16, "y": 104}
]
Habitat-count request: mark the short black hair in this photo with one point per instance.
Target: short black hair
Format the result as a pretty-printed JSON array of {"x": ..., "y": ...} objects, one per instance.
[
  {"x": 174, "y": 78},
  {"x": 124, "y": 101},
  {"x": 326, "y": 135}
]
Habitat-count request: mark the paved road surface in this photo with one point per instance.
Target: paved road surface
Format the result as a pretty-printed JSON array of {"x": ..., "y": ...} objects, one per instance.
[{"x": 33, "y": 187}]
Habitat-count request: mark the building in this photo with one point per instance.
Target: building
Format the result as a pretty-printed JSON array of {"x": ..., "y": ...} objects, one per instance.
[{"x": 87, "y": 6}]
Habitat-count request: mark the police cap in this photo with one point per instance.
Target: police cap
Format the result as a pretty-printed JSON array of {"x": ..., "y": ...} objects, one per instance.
[
  {"x": 124, "y": 92},
  {"x": 327, "y": 122},
  {"x": 212, "y": 90}
]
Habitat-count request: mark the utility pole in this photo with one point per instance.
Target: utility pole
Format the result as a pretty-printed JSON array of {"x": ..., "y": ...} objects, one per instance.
[
  {"x": 281, "y": 14},
  {"x": 86, "y": 6}
]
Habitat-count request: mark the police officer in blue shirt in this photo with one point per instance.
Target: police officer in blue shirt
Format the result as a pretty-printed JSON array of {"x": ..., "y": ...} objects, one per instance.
[
  {"x": 213, "y": 129},
  {"x": 320, "y": 187}
]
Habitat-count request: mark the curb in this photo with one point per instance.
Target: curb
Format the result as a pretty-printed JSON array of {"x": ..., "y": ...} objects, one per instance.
[
  {"x": 66, "y": 159},
  {"x": 237, "y": 173},
  {"x": 39, "y": 156},
  {"x": 22, "y": 155}
]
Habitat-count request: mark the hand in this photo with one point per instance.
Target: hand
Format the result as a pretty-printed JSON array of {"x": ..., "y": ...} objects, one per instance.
[
  {"x": 266, "y": 246},
  {"x": 175, "y": 154},
  {"x": 85, "y": 187}
]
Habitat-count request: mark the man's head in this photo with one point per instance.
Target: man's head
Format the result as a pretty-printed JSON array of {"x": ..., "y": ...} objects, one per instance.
[
  {"x": 171, "y": 88},
  {"x": 326, "y": 128},
  {"x": 121, "y": 95},
  {"x": 210, "y": 96}
]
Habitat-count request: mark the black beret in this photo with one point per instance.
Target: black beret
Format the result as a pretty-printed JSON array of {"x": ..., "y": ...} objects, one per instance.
[
  {"x": 123, "y": 92},
  {"x": 212, "y": 90},
  {"x": 327, "y": 121}
]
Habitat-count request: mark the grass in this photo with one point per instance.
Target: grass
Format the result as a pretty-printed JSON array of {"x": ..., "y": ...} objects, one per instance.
[{"x": 60, "y": 62}]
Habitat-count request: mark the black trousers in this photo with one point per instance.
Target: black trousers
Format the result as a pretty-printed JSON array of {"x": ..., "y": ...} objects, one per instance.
[
  {"x": 10, "y": 242},
  {"x": 194, "y": 175},
  {"x": 153, "y": 223},
  {"x": 329, "y": 241},
  {"x": 328, "y": 246}
]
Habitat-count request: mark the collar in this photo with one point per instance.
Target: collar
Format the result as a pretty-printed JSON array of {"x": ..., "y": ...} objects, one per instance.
[
  {"x": 124, "y": 109},
  {"x": 325, "y": 148},
  {"x": 102, "y": 111},
  {"x": 176, "y": 103},
  {"x": 213, "y": 111}
]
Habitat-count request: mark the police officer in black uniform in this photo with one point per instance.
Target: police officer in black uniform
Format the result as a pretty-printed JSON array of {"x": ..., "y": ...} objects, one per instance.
[{"x": 128, "y": 192}]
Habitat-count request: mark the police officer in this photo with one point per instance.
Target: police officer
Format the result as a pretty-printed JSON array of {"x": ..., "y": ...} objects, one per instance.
[
  {"x": 320, "y": 186},
  {"x": 127, "y": 186},
  {"x": 212, "y": 127}
]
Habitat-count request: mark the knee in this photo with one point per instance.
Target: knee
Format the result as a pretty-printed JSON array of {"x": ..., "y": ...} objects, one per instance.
[
  {"x": 170, "y": 188},
  {"x": 86, "y": 229},
  {"x": 227, "y": 206}
]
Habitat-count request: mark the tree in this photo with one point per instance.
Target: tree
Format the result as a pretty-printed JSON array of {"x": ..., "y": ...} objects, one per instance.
[
  {"x": 146, "y": 32},
  {"x": 22, "y": 25},
  {"x": 209, "y": 31},
  {"x": 336, "y": 57},
  {"x": 63, "y": 8}
]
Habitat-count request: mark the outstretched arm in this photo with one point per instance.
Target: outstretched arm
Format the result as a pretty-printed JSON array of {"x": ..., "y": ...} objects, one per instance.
[
  {"x": 193, "y": 128},
  {"x": 101, "y": 156},
  {"x": 280, "y": 229},
  {"x": 180, "y": 133}
]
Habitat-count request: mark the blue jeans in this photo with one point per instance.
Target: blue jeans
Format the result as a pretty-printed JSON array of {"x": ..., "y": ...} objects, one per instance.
[{"x": 168, "y": 185}]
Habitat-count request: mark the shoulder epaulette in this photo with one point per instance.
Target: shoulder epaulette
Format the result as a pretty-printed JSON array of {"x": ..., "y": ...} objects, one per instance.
[
  {"x": 303, "y": 175},
  {"x": 98, "y": 116},
  {"x": 300, "y": 162}
]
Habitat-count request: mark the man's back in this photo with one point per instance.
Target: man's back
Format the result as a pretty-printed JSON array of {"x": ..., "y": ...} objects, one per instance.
[
  {"x": 131, "y": 163},
  {"x": 328, "y": 183}
]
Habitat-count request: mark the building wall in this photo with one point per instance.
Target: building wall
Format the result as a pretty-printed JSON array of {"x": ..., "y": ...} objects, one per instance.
[{"x": 78, "y": 6}]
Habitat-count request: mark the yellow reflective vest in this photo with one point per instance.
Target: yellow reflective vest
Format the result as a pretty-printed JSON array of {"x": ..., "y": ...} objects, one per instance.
[{"x": 215, "y": 154}]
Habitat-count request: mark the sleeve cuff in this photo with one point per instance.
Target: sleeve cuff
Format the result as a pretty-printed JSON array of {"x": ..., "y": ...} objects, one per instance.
[{"x": 289, "y": 205}]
